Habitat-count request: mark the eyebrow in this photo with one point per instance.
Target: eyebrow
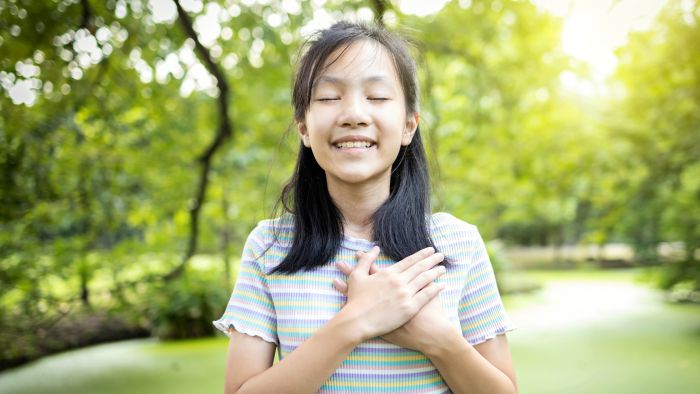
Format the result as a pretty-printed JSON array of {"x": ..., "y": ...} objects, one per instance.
[{"x": 339, "y": 81}]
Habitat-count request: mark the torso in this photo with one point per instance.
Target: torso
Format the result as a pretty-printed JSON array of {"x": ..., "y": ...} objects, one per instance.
[{"x": 305, "y": 301}]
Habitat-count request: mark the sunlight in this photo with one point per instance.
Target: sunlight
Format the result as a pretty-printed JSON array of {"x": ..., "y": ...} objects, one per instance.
[{"x": 593, "y": 29}]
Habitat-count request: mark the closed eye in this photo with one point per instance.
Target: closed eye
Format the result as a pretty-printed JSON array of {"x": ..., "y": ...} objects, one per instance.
[
  {"x": 328, "y": 99},
  {"x": 377, "y": 98}
]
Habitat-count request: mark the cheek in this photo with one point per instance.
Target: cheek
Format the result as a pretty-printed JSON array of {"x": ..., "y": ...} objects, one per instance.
[
  {"x": 321, "y": 115},
  {"x": 319, "y": 148},
  {"x": 317, "y": 127},
  {"x": 392, "y": 152},
  {"x": 393, "y": 134}
]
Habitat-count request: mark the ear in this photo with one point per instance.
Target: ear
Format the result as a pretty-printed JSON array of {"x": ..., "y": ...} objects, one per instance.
[
  {"x": 410, "y": 129},
  {"x": 303, "y": 133}
]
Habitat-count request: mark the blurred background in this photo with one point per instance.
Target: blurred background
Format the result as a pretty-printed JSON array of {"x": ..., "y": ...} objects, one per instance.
[{"x": 142, "y": 140}]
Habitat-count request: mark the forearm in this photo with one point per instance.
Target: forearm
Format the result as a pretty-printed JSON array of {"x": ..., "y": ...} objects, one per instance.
[
  {"x": 466, "y": 371},
  {"x": 310, "y": 365}
]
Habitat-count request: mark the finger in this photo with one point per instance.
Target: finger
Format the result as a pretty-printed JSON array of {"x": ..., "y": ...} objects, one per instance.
[
  {"x": 427, "y": 293},
  {"x": 422, "y": 266},
  {"x": 365, "y": 260},
  {"x": 340, "y": 286},
  {"x": 374, "y": 268},
  {"x": 409, "y": 261},
  {"x": 426, "y": 277},
  {"x": 344, "y": 268}
]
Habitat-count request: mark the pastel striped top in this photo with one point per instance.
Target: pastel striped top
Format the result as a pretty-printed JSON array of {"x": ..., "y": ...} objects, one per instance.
[{"x": 287, "y": 309}]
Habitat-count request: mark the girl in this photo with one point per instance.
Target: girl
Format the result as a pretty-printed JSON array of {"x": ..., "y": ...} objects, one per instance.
[{"x": 357, "y": 286}]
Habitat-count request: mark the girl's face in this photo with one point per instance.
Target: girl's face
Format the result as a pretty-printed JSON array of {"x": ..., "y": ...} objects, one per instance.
[{"x": 357, "y": 121}]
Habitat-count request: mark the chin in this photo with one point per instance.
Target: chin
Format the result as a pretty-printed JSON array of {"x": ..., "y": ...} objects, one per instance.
[{"x": 357, "y": 177}]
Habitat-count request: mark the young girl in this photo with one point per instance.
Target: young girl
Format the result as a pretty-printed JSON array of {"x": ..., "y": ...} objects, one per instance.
[{"x": 357, "y": 286}]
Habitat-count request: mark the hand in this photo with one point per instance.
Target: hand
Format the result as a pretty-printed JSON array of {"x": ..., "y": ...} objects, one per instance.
[
  {"x": 387, "y": 299},
  {"x": 420, "y": 332}
]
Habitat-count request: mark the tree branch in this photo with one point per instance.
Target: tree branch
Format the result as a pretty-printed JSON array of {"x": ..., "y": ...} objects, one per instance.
[
  {"x": 86, "y": 18},
  {"x": 224, "y": 132}
]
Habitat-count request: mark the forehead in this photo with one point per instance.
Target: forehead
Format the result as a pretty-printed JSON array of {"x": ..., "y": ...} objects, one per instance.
[{"x": 363, "y": 62}]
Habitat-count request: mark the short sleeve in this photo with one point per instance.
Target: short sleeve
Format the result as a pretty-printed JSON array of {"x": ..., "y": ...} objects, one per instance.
[
  {"x": 250, "y": 309},
  {"x": 481, "y": 312}
]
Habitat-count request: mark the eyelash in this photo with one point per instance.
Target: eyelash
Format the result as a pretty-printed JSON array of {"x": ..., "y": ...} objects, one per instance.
[{"x": 372, "y": 98}]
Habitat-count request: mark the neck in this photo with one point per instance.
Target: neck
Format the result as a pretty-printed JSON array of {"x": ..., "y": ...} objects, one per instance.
[{"x": 358, "y": 202}]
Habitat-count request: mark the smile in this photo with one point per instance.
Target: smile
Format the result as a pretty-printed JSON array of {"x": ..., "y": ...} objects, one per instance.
[{"x": 354, "y": 145}]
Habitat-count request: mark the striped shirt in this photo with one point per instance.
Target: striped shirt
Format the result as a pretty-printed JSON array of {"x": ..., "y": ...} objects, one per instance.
[{"x": 288, "y": 309}]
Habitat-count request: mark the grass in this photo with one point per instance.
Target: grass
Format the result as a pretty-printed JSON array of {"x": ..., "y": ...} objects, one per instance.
[
  {"x": 584, "y": 332},
  {"x": 135, "y": 366},
  {"x": 642, "y": 353},
  {"x": 603, "y": 332}
]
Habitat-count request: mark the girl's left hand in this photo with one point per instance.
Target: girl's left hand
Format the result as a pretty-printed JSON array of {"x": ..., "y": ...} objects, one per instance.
[{"x": 420, "y": 333}]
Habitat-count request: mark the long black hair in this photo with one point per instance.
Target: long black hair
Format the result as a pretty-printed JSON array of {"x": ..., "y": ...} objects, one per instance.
[{"x": 400, "y": 224}]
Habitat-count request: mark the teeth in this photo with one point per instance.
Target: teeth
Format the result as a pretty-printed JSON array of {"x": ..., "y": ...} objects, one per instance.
[{"x": 355, "y": 144}]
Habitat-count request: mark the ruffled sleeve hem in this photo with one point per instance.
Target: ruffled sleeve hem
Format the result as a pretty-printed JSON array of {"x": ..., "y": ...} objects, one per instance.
[
  {"x": 225, "y": 325},
  {"x": 483, "y": 338}
]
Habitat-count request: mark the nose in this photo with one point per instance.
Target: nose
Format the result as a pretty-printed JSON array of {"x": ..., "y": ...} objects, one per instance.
[{"x": 355, "y": 112}]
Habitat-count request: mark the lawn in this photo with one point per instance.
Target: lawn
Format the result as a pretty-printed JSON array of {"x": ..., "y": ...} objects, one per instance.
[
  {"x": 584, "y": 332},
  {"x": 604, "y": 332}
]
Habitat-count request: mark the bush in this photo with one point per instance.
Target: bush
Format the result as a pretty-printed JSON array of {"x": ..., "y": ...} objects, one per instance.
[
  {"x": 499, "y": 261},
  {"x": 185, "y": 307}
]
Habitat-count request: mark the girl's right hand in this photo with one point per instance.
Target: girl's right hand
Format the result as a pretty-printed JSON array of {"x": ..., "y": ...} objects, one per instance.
[{"x": 385, "y": 300}]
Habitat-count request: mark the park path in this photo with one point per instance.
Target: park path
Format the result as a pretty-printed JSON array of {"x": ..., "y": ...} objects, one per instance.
[{"x": 566, "y": 303}]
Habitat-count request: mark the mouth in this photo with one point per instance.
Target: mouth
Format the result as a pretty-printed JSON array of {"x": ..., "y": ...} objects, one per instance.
[{"x": 354, "y": 145}]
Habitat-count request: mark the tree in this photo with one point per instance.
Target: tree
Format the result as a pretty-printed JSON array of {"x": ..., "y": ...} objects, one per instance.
[{"x": 659, "y": 77}]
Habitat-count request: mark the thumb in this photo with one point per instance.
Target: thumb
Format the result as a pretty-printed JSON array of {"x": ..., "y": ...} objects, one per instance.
[{"x": 365, "y": 260}]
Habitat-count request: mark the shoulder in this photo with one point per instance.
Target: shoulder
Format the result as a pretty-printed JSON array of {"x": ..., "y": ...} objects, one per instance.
[
  {"x": 445, "y": 225},
  {"x": 275, "y": 230},
  {"x": 454, "y": 237},
  {"x": 269, "y": 241}
]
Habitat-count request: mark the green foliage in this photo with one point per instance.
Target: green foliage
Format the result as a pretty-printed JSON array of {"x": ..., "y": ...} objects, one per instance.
[
  {"x": 499, "y": 261},
  {"x": 185, "y": 308},
  {"x": 99, "y": 169},
  {"x": 508, "y": 137},
  {"x": 659, "y": 126}
]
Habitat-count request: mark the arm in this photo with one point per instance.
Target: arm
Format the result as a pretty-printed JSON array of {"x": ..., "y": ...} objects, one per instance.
[
  {"x": 247, "y": 356},
  {"x": 250, "y": 368},
  {"x": 486, "y": 367},
  {"x": 483, "y": 368}
]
